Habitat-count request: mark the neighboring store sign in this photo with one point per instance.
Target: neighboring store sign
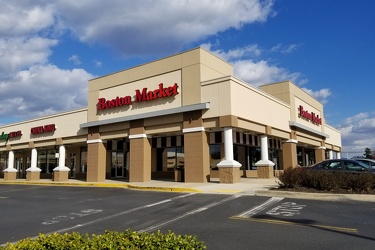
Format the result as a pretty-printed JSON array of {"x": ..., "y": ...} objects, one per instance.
[
  {"x": 140, "y": 96},
  {"x": 310, "y": 116},
  {"x": 43, "y": 129},
  {"x": 6, "y": 137}
]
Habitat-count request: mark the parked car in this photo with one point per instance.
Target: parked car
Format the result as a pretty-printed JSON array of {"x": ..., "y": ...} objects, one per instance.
[
  {"x": 369, "y": 162},
  {"x": 346, "y": 165}
]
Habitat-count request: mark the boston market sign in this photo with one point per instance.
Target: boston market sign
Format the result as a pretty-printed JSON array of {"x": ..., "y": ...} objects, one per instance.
[
  {"x": 140, "y": 96},
  {"x": 310, "y": 116}
]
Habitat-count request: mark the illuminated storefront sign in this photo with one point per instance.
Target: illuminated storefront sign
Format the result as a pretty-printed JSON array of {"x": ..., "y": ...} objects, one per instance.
[
  {"x": 310, "y": 116},
  {"x": 140, "y": 96},
  {"x": 14, "y": 134},
  {"x": 43, "y": 129}
]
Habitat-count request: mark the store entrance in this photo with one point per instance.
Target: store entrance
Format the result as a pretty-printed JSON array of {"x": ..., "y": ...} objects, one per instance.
[
  {"x": 119, "y": 151},
  {"x": 305, "y": 156},
  {"x": 118, "y": 167},
  {"x": 21, "y": 173}
]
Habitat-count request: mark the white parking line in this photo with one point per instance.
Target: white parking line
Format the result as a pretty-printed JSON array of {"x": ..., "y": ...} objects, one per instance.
[
  {"x": 119, "y": 214},
  {"x": 261, "y": 207},
  {"x": 195, "y": 211}
]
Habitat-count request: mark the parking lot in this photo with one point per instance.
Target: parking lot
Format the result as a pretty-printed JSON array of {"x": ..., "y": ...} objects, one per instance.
[{"x": 221, "y": 221}]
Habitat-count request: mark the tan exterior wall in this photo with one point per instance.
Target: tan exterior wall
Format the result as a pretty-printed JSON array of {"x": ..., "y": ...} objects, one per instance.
[
  {"x": 140, "y": 160},
  {"x": 67, "y": 124},
  {"x": 96, "y": 162},
  {"x": 187, "y": 69},
  {"x": 334, "y": 135},
  {"x": 230, "y": 96}
]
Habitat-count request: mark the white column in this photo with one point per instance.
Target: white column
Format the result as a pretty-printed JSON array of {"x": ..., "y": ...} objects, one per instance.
[
  {"x": 10, "y": 167},
  {"x": 338, "y": 155},
  {"x": 330, "y": 154},
  {"x": 11, "y": 159},
  {"x": 34, "y": 160},
  {"x": 264, "y": 147},
  {"x": 228, "y": 144},
  {"x": 61, "y": 166},
  {"x": 228, "y": 150},
  {"x": 264, "y": 153}
]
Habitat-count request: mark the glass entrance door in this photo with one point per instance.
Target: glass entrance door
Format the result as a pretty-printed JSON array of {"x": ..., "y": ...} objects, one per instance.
[
  {"x": 19, "y": 167},
  {"x": 117, "y": 167},
  {"x": 73, "y": 163}
]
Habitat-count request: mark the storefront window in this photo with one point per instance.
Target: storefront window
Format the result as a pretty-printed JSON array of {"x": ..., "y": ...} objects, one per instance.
[
  {"x": 83, "y": 164},
  {"x": 47, "y": 161},
  {"x": 215, "y": 156},
  {"x": 305, "y": 156},
  {"x": 51, "y": 160},
  {"x": 3, "y": 161},
  {"x": 117, "y": 166},
  {"x": 42, "y": 161},
  {"x": 255, "y": 155}
]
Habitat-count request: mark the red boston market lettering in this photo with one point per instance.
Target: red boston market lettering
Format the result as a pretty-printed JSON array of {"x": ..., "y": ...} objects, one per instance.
[
  {"x": 155, "y": 94},
  {"x": 117, "y": 102},
  {"x": 140, "y": 96},
  {"x": 311, "y": 116}
]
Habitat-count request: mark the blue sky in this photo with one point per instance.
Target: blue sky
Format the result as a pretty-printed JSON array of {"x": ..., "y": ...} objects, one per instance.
[{"x": 50, "y": 49}]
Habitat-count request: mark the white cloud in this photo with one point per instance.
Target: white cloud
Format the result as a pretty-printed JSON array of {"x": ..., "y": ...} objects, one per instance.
[
  {"x": 17, "y": 53},
  {"x": 252, "y": 50},
  {"x": 284, "y": 49},
  {"x": 261, "y": 72},
  {"x": 254, "y": 72},
  {"x": 75, "y": 59},
  {"x": 133, "y": 28},
  {"x": 22, "y": 18},
  {"x": 321, "y": 95},
  {"x": 357, "y": 134},
  {"x": 97, "y": 63},
  {"x": 42, "y": 90}
]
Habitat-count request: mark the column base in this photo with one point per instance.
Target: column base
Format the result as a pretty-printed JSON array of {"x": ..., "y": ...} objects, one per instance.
[
  {"x": 10, "y": 174},
  {"x": 265, "y": 169},
  {"x": 61, "y": 174},
  {"x": 229, "y": 171},
  {"x": 33, "y": 174}
]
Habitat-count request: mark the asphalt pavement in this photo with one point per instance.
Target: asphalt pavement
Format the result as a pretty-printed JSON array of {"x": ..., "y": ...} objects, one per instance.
[{"x": 247, "y": 186}]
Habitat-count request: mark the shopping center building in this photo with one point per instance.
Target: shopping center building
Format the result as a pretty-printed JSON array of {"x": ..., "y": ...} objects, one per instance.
[{"x": 181, "y": 118}]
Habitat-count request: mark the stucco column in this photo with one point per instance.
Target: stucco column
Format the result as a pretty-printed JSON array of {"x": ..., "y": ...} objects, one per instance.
[
  {"x": 290, "y": 154},
  {"x": 264, "y": 166},
  {"x": 10, "y": 173},
  {"x": 96, "y": 160},
  {"x": 338, "y": 154},
  {"x": 320, "y": 154},
  {"x": 140, "y": 158},
  {"x": 61, "y": 172},
  {"x": 229, "y": 169},
  {"x": 330, "y": 154},
  {"x": 196, "y": 155},
  {"x": 33, "y": 172}
]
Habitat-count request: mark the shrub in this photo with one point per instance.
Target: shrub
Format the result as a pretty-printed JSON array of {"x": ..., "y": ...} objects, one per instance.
[
  {"x": 110, "y": 240},
  {"x": 294, "y": 178}
]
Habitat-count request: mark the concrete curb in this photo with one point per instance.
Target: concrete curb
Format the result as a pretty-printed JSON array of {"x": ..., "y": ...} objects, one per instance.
[
  {"x": 317, "y": 196},
  {"x": 108, "y": 185}
]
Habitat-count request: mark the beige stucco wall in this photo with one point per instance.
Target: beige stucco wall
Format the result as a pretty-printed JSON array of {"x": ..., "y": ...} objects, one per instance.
[
  {"x": 334, "y": 135},
  {"x": 295, "y": 96},
  {"x": 231, "y": 96},
  {"x": 188, "y": 69},
  {"x": 66, "y": 124},
  {"x": 134, "y": 108}
]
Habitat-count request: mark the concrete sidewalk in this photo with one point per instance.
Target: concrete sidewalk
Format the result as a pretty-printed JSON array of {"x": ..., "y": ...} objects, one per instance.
[{"x": 246, "y": 186}]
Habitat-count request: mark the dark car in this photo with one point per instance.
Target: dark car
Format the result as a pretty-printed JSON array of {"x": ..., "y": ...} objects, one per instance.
[
  {"x": 366, "y": 161},
  {"x": 346, "y": 165}
]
